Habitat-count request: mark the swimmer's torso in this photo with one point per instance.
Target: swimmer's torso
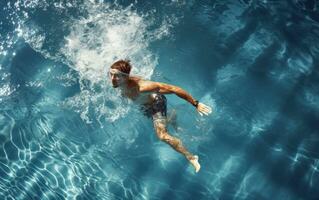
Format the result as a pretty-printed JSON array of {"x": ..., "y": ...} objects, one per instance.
[{"x": 152, "y": 103}]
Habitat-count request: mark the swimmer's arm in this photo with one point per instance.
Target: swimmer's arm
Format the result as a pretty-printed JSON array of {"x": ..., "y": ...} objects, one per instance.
[{"x": 163, "y": 88}]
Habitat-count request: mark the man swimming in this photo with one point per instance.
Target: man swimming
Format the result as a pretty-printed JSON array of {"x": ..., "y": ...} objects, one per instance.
[{"x": 150, "y": 95}]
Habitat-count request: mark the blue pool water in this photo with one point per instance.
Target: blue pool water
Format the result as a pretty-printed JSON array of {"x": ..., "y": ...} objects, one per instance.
[{"x": 65, "y": 133}]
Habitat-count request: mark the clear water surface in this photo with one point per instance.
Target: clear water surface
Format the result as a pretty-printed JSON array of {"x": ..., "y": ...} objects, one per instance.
[{"x": 66, "y": 134}]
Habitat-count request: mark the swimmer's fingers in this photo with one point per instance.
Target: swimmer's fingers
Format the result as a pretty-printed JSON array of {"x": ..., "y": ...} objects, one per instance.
[
  {"x": 202, "y": 112},
  {"x": 205, "y": 112},
  {"x": 203, "y": 109},
  {"x": 207, "y": 108}
]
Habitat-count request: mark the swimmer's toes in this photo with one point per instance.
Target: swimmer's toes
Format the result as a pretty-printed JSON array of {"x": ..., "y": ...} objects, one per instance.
[{"x": 195, "y": 163}]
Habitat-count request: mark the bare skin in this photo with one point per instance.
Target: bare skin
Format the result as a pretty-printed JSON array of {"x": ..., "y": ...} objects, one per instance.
[{"x": 132, "y": 87}]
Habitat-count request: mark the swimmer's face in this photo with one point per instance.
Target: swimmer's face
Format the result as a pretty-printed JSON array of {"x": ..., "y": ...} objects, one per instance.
[{"x": 117, "y": 78}]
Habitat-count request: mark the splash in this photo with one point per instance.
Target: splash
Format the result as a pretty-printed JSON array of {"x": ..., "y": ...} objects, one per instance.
[
  {"x": 94, "y": 43},
  {"x": 107, "y": 35},
  {"x": 91, "y": 36}
]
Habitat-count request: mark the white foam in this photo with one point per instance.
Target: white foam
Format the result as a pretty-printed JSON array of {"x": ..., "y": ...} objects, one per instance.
[
  {"x": 103, "y": 35},
  {"x": 95, "y": 42},
  {"x": 98, "y": 36}
]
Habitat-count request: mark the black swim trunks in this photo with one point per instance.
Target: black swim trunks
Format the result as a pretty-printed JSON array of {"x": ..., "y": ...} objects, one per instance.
[{"x": 157, "y": 109}]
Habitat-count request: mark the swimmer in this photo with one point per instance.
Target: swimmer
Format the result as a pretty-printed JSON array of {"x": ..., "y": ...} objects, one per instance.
[{"x": 150, "y": 95}]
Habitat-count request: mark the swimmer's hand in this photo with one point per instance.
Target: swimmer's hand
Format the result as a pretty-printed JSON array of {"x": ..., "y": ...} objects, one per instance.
[{"x": 203, "y": 109}]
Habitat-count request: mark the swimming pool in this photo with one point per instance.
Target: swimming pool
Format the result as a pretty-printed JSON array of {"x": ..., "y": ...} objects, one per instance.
[{"x": 65, "y": 133}]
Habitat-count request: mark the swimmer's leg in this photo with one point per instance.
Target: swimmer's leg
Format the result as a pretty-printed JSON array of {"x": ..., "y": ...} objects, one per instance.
[{"x": 175, "y": 143}]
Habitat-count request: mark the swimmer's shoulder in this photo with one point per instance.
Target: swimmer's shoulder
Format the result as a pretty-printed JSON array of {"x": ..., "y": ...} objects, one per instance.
[
  {"x": 138, "y": 80},
  {"x": 135, "y": 82},
  {"x": 142, "y": 84}
]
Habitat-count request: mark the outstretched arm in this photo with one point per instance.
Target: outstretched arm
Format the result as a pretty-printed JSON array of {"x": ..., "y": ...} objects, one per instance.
[{"x": 163, "y": 88}]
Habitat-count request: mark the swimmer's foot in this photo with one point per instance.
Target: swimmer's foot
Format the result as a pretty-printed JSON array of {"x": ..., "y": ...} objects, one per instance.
[{"x": 195, "y": 163}]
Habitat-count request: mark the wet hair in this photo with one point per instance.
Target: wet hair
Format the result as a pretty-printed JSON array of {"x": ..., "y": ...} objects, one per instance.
[{"x": 122, "y": 65}]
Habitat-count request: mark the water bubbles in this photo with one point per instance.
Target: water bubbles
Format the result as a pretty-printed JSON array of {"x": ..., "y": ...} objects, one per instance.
[
  {"x": 96, "y": 41},
  {"x": 91, "y": 36},
  {"x": 19, "y": 31}
]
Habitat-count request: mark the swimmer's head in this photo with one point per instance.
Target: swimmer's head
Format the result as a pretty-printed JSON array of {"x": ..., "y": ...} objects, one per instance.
[{"x": 119, "y": 72}]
